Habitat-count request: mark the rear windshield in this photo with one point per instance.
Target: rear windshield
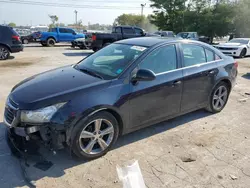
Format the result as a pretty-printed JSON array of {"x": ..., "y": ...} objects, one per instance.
[
  {"x": 13, "y": 31},
  {"x": 52, "y": 30}
]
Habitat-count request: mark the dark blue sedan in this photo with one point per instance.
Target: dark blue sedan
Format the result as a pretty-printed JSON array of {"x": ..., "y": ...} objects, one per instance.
[{"x": 123, "y": 87}]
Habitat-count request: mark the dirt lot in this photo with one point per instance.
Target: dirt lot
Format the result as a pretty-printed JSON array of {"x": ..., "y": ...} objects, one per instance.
[{"x": 195, "y": 150}]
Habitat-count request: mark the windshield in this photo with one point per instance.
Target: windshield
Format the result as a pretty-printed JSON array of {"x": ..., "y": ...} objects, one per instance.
[
  {"x": 183, "y": 35},
  {"x": 110, "y": 61},
  {"x": 242, "y": 41}
]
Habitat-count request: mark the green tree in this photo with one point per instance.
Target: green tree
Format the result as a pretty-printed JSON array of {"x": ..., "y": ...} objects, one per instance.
[
  {"x": 241, "y": 19},
  {"x": 11, "y": 24},
  {"x": 54, "y": 19},
  {"x": 129, "y": 19},
  {"x": 168, "y": 14},
  {"x": 207, "y": 17},
  {"x": 136, "y": 20}
]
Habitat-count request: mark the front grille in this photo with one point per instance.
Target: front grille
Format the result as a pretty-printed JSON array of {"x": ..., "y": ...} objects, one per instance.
[
  {"x": 10, "y": 111},
  {"x": 227, "y": 53},
  {"x": 9, "y": 115},
  {"x": 221, "y": 48}
]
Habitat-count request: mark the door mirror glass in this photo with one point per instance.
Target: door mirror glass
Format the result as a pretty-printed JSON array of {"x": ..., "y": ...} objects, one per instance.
[{"x": 143, "y": 75}]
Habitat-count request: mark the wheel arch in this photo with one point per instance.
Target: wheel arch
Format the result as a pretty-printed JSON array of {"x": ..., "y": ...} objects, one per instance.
[
  {"x": 1, "y": 44},
  {"x": 226, "y": 80},
  {"x": 51, "y": 37},
  {"x": 91, "y": 111}
]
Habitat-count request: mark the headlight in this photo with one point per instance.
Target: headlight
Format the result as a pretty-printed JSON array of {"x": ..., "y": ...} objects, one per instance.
[{"x": 42, "y": 115}]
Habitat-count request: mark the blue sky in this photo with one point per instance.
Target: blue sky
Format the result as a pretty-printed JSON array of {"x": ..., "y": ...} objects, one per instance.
[{"x": 26, "y": 14}]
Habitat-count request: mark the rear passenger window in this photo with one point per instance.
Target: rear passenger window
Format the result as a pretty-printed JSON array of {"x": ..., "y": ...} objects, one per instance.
[
  {"x": 193, "y": 54},
  {"x": 128, "y": 30},
  {"x": 210, "y": 55},
  {"x": 61, "y": 30},
  {"x": 118, "y": 30}
]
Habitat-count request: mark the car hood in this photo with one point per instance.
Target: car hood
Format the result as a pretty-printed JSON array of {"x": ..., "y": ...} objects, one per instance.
[
  {"x": 52, "y": 87},
  {"x": 228, "y": 44}
]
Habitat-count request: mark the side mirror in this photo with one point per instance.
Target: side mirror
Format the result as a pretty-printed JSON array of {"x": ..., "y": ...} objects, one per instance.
[
  {"x": 74, "y": 33},
  {"x": 143, "y": 75}
]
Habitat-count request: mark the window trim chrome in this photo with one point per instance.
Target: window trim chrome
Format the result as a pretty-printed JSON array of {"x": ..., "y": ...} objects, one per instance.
[{"x": 182, "y": 68}]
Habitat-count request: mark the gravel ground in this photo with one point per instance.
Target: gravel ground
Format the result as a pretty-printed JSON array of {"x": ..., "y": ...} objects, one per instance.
[{"x": 195, "y": 150}]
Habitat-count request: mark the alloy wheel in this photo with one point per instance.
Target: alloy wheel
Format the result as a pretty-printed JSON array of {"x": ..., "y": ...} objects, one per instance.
[
  {"x": 96, "y": 136},
  {"x": 220, "y": 97},
  {"x": 3, "y": 53}
]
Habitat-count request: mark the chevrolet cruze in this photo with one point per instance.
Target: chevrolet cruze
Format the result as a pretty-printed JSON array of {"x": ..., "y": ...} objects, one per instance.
[{"x": 125, "y": 86}]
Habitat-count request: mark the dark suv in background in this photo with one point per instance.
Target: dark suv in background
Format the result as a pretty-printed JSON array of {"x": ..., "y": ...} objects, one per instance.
[{"x": 9, "y": 42}]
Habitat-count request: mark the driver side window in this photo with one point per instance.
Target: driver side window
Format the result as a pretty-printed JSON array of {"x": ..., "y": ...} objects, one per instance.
[{"x": 161, "y": 60}]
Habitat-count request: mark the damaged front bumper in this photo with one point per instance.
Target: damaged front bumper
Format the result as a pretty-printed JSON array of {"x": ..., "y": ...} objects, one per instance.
[{"x": 43, "y": 134}]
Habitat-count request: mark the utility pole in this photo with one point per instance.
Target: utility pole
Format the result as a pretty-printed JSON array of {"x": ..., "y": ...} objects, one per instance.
[
  {"x": 76, "y": 15},
  {"x": 142, "y": 7}
]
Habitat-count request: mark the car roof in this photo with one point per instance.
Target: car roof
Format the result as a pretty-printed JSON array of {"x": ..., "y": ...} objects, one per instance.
[
  {"x": 152, "y": 41},
  {"x": 147, "y": 41}
]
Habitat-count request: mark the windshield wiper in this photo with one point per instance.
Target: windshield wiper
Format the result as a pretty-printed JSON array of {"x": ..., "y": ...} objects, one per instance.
[{"x": 92, "y": 73}]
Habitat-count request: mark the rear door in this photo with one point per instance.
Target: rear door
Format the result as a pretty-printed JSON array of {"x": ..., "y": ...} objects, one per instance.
[
  {"x": 128, "y": 32},
  {"x": 66, "y": 35},
  {"x": 199, "y": 71}
]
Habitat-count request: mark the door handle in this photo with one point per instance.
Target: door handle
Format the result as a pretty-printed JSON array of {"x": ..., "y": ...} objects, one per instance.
[{"x": 176, "y": 83}]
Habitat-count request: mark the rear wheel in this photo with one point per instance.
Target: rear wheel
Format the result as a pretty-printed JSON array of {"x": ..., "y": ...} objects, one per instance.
[
  {"x": 218, "y": 98},
  {"x": 43, "y": 43},
  {"x": 51, "y": 42},
  {"x": 4, "y": 53},
  {"x": 243, "y": 53},
  {"x": 25, "y": 41},
  {"x": 93, "y": 137}
]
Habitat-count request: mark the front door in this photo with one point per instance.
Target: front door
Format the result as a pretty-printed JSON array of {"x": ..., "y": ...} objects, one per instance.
[
  {"x": 200, "y": 69},
  {"x": 151, "y": 101}
]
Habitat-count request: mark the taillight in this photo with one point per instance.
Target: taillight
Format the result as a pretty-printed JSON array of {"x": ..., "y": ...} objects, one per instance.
[
  {"x": 93, "y": 37},
  {"x": 236, "y": 64},
  {"x": 16, "y": 37}
]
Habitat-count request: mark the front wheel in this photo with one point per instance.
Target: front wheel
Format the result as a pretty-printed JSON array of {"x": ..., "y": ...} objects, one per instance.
[
  {"x": 243, "y": 53},
  {"x": 218, "y": 98},
  {"x": 93, "y": 137},
  {"x": 4, "y": 53}
]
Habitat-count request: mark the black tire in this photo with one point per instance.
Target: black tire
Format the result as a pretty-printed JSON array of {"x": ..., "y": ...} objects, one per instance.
[
  {"x": 212, "y": 99},
  {"x": 43, "y": 43},
  {"x": 77, "y": 142},
  {"x": 4, "y": 52},
  {"x": 95, "y": 49},
  {"x": 243, "y": 53},
  {"x": 51, "y": 42}
]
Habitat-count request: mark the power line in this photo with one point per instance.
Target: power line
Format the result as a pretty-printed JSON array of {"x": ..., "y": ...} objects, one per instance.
[
  {"x": 66, "y": 5},
  {"x": 109, "y": 1}
]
